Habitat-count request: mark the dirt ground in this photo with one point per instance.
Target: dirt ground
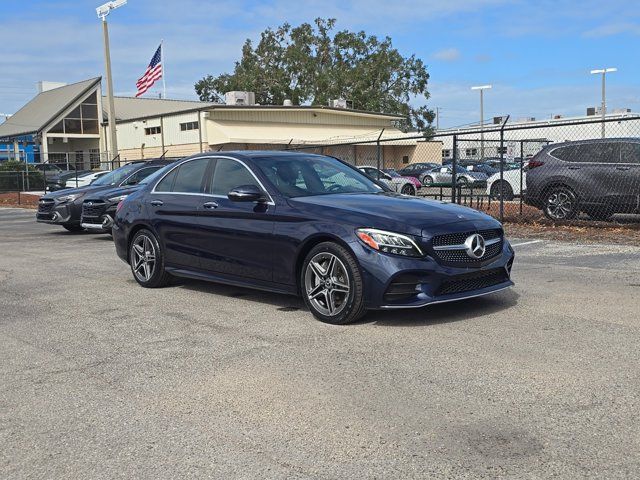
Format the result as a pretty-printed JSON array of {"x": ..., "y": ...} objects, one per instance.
[{"x": 16, "y": 199}]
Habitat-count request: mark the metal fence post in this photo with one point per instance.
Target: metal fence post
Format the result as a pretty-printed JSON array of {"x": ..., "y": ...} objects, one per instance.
[
  {"x": 454, "y": 163},
  {"x": 521, "y": 171},
  {"x": 502, "y": 174},
  {"x": 378, "y": 153}
]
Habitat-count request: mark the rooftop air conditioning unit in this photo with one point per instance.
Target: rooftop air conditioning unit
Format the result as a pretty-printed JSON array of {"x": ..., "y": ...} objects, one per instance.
[
  {"x": 557, "y": 117},
  {"x": 287, "y": 103},
  {"x": 240, "y": 98},
  {"x": 498, "y": 120},
  {"x": 338, "y": 103}
]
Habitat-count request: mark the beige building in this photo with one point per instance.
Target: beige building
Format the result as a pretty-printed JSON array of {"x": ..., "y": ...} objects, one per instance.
[{"x": 64, "y": 121}]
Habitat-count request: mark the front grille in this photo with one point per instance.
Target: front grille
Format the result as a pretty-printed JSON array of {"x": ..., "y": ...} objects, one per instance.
[
  {"x": 457, "y": 256},
  {"x": 470, "y": 282},
  {"x": 45, "y": 206},
  {"x": 96, "y": 208}
]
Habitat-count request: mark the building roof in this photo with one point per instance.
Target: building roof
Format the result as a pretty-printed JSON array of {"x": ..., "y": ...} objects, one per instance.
[
  {"x": 45, "y": 108},
  {"x": 131, "y": 108}
]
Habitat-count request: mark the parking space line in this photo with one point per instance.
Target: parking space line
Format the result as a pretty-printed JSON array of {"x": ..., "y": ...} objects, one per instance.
[{"x": 526, "y": 243}]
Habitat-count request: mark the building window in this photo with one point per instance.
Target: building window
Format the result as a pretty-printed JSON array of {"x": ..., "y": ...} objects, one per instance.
[
  {"x": 446, "y": 153},
  {"x": 82, "y": 120},
  {"x": 188, "y": 126},
  {"x": 152, "y": 130},
  {"x": 471, "y": 152},
  {"x": 405, "y": 159},
  {"x": 94, "y": 158},
  {"x": 501, "y": 150}
]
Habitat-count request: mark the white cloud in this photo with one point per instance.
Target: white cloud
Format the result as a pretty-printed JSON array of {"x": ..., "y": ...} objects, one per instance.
[
  {"x": 610, "y": 29},
  {"x": 447, "y": 55}
]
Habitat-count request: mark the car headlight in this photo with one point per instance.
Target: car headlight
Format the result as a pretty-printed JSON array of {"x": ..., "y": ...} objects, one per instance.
[
  {"x": 69, "y": 198},
  {"x": 389, "y": 242},
  {"x": 119, "y": 198}
]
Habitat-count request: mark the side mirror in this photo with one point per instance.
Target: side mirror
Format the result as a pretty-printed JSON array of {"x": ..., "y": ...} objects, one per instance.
[{"x": 246, "y": 193}]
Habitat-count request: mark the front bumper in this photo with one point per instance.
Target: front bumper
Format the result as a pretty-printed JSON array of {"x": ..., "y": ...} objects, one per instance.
[
  {"x": 58, "y": 213},
  {"x": 399, "y": 282},
  {"x": 97, "y": 216}
]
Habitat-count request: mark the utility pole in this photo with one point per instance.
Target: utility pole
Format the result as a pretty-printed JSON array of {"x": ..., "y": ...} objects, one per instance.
[
  {"x": 482, "y": 88},
  {"x": 103, "y": 11},
  {"x": 603, "y": 107}
]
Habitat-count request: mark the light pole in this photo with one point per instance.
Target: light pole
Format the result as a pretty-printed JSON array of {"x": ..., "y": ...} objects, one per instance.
[
  {"x": 482, "y": 88},
  {"x": 603, "y": 72},
  {"x": 102, "y": 12}
]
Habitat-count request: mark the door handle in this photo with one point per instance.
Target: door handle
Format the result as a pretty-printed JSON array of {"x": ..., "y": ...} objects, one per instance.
[
  {"x": 574, "y": 168},
  {"x": 623, "y": 168},
  {"x": 157, "y": 203},
  {"x": 210, "y": 205}
]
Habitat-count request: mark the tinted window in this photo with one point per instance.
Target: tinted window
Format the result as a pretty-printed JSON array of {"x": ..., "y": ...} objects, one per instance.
[
  {"x": 117, "y": 176},
  {"x": 166, "y": 184},
  {"x": 189, "y": 176},
  {"x": 141, "y": 175},
  {"x": 601, "y": 152},
  {"x": 228, "y": 175},
  {"x": 630, "y": 153},
  {"x": 314, "y": 175}
]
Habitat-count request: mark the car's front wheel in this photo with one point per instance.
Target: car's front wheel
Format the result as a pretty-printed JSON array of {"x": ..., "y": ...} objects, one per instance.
[
  {"x": 408, "y": 189},
  {"x": 331, "y": 284},
  {"x": 427, "y": 181},
  {"x": 147, "y": 260},
  {"x": 561, "y": 204},
  {"x": 505, "y": 192}
]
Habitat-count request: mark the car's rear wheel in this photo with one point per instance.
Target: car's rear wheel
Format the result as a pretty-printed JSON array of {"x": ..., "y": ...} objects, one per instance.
[
  {"x": 427, "y": 181},
  {"x": 507, "y": 191},
  {"x": 560, "y": 204},
  {"x": 72, "y": 227},
  {"x": 408, "y": 189},
  {"x": 147, "y": 260},
  {"x": 331, "y": 284},
  {"x": 462, "y": 181}
]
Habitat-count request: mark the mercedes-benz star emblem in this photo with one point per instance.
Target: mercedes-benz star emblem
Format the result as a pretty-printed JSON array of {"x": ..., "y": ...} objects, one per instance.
[{"x": 475, "y": 245}]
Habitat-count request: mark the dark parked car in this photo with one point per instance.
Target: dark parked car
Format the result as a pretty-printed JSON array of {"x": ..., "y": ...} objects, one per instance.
[
  {"x": 418, "y": 170},
  {"x": 599, "y": 177},
  {"x": 487, "y": 169},
  {"x": 64, "y": 207},
  {"x": 308, "y": 225},
  {"x": 58, "y": 181}
]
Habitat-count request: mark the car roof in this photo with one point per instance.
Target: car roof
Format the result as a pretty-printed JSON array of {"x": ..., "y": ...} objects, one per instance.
[{"x": 592, "y": 141}]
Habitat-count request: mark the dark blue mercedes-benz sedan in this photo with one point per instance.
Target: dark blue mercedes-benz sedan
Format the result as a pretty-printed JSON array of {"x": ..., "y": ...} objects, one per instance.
[{"x": 308, "y": 225}]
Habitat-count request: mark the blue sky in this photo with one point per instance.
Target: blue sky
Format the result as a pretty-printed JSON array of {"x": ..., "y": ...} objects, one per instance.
[{"x": 537, "y": 54}]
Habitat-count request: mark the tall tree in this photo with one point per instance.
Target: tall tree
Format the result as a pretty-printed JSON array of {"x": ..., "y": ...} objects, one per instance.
[{"x": 312, "y": 64}]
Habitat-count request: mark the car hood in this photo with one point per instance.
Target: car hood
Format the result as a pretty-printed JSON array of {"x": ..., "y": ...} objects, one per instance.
[
  {"x": 390, "y": 211},
  {"x": 70, "y": 191},
  {"x": 112, "y": 192}
]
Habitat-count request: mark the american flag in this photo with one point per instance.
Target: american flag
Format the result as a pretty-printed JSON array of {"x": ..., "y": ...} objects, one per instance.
[{"x": 153, "y": 73}]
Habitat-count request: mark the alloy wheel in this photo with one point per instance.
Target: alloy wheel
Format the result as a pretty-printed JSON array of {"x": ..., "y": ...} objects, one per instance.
[
  {"x": 326, "y": 284},
  {"x": 144, "y": 258},
  {"x": 560, "y": 205}
]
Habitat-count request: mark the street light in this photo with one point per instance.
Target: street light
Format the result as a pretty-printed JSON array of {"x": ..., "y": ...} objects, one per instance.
[
  {"x": 603, "y": 108},
  {"x": 482, "y": 88},
  {"x": 102, "y": 12}
]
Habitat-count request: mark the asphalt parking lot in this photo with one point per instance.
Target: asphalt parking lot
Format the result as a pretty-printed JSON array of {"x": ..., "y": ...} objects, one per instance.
[{"x": 100, "y": 378}]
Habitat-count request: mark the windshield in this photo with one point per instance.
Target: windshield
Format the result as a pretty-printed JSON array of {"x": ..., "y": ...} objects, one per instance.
[
  {"x": 308, "y": 175},
  {"x": 117, "y": 176}
]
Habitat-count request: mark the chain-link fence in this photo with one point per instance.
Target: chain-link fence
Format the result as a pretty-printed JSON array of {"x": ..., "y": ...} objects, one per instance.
[{"x": 554, "y": 171}]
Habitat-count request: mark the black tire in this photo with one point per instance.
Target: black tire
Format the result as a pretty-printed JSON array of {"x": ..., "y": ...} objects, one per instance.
[
  {"x": 602, "y": 214},
  {"x": 507, "y": 191},
  {"x": 408, "y": 189},
  {"x": 351, "y": 304},
  {"x": 560, "y": 203},
  {"x": 427, "y": 180},
  {"x": 72, "y": 227},
  {"x": 462, "y": 181},
  {"x": 155, "y": 276}
]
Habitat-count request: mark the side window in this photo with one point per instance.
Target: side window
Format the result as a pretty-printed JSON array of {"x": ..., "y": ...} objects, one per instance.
[
  {"x": 189, "y": 176},
  {"x": 228, "y": 175},
  {"x": 568, "y": 153},
  {"x": 605, "y": 152},
  {"x": 630, "y": 153},
  {"x": 141, "y": 175},
  {"x": 166, "y": 184}
]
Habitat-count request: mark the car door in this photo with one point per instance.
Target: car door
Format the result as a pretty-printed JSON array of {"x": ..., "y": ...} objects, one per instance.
[
  {"x": 174, "y": 206},
  {"x": 600, "y": 180},
  {"x": 443, "y": 175},
  {"x": 240, "y": 235},
  {"x": 630, "y": 181}
]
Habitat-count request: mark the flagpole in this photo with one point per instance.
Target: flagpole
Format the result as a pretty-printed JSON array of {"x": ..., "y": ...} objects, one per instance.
[{"x": 164, "y": 85}]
